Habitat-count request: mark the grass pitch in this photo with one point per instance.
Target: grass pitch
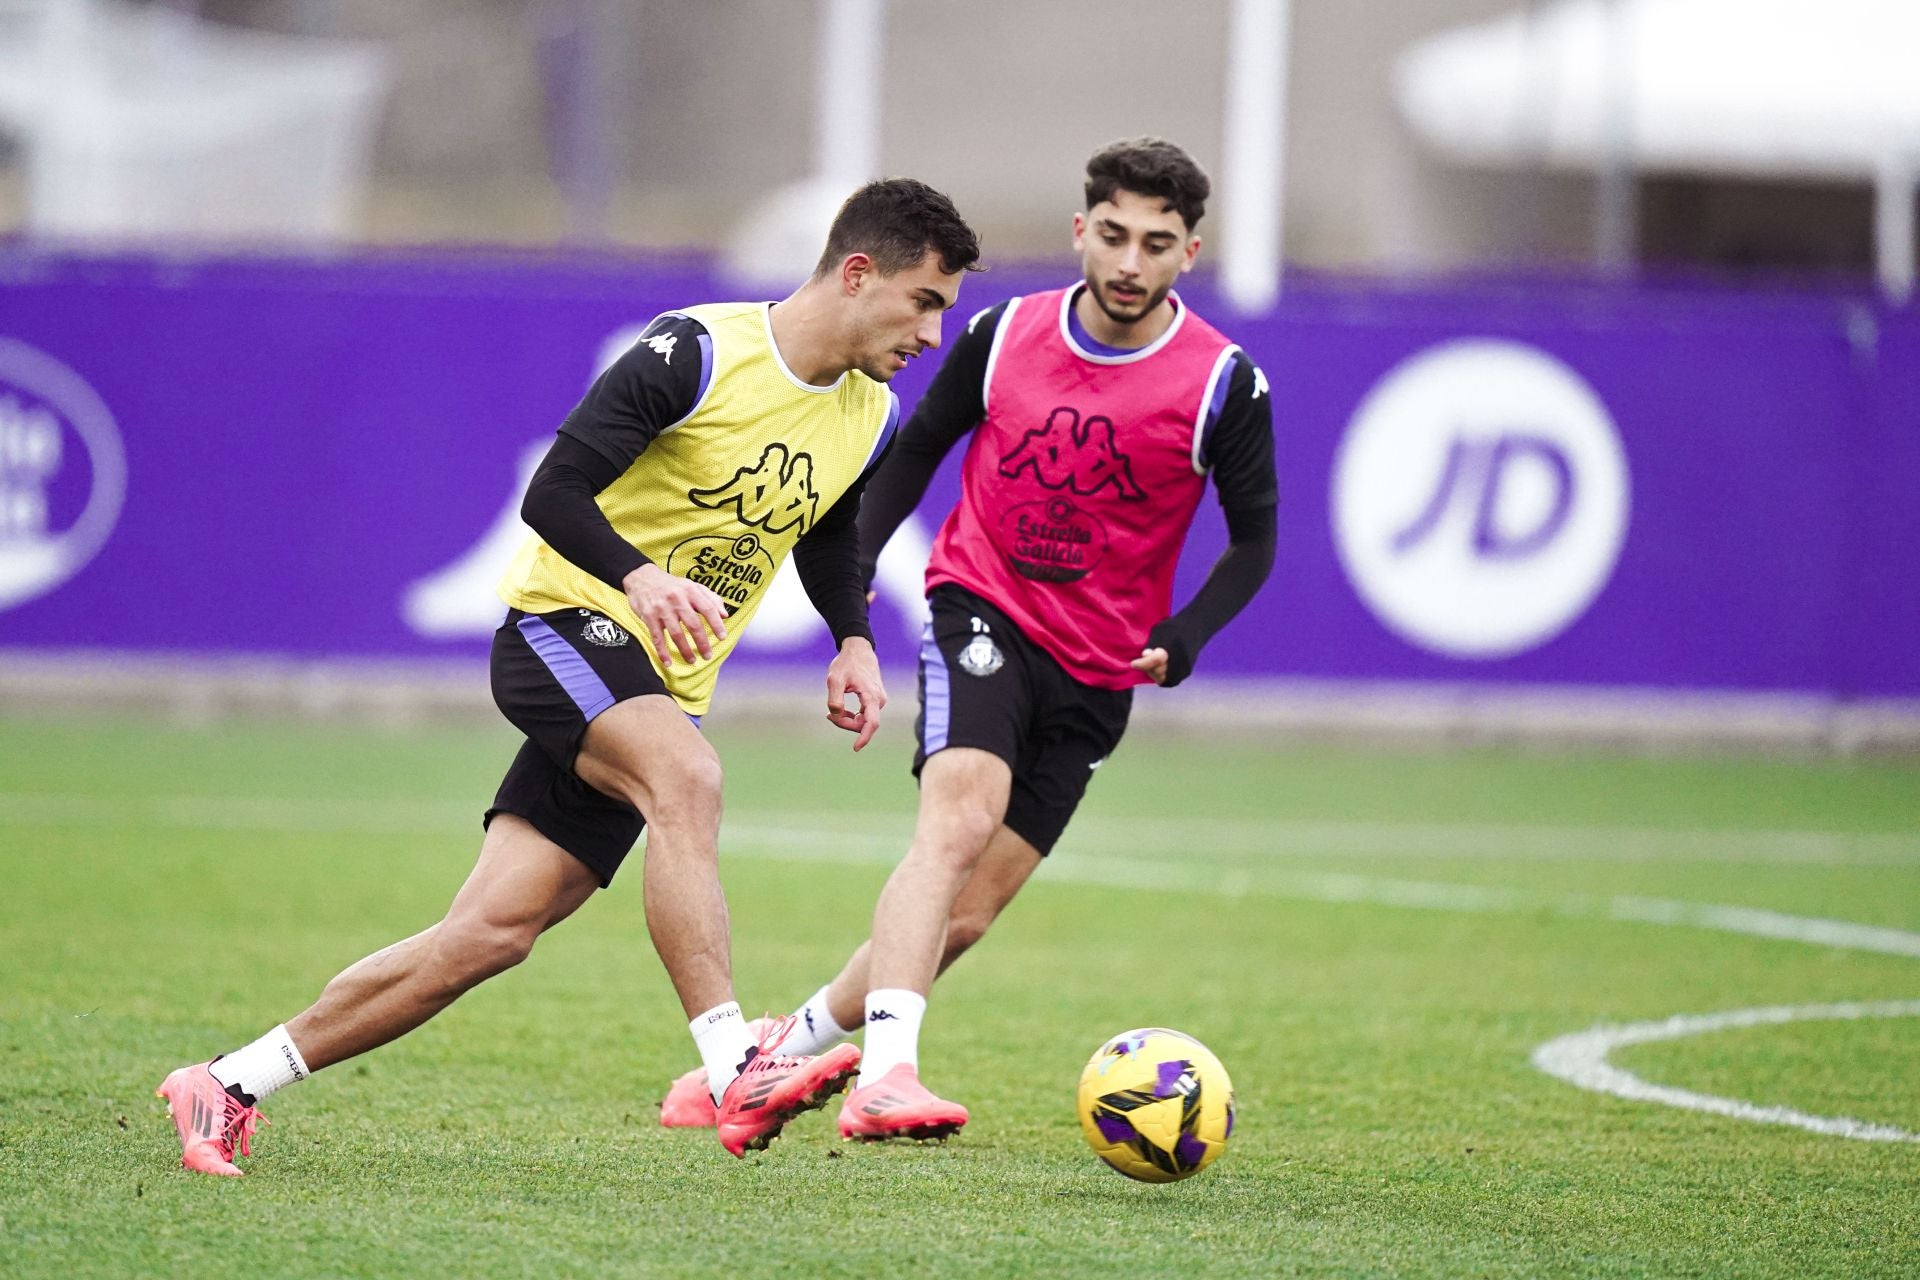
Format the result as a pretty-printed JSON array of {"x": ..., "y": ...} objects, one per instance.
[{"x": 1374, "y": 944}]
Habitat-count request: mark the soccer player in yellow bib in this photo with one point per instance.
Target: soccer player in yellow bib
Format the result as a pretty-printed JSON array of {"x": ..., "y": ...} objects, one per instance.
[{"x": 727, "y": 437}]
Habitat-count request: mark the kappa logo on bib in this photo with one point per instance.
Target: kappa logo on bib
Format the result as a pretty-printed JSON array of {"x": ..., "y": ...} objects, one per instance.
[
  {"x": 63, "y": 473},
  {"x": 1480, "y": 499},
  {"x": 774, "y": 494},
  {"x": 1075, "y": 454}
]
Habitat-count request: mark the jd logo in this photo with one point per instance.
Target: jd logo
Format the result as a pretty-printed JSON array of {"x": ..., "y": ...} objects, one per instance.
[
  {"x": 1075, "y": 455},
  {"x": 1482, "y": 466},
  {"x": 776, "y": 494},
  {"x": 1480, "y": 499},
  {"x": 63, "y": 474}
]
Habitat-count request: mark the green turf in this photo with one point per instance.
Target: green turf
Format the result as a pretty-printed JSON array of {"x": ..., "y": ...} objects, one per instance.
[{"x": 168, "y": 893}]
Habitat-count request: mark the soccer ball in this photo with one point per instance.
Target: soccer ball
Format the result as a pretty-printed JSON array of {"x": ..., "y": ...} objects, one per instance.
[{"x": 1156, "y": 1105}]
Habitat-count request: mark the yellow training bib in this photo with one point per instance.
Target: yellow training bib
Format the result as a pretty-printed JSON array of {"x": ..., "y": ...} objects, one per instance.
[{"x": 721, "y": 497}]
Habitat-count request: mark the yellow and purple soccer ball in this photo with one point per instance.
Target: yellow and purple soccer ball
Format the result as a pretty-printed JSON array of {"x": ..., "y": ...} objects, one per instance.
[{"x": 1156, "y": 1105}]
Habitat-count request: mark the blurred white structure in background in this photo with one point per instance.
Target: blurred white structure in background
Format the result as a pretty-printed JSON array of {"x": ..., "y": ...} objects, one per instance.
[
  {"x": 144, "y": 122},
  {"x": 1770, "y": 88},
  {"x": 778, "y": 242},
  {"x": 1252, "y": 186}
]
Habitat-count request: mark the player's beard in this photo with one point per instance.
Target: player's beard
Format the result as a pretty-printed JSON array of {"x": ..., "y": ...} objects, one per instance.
[
  {"x": 880, "y": 367},
  {"x": 877, "y": 365},
  {"x": 1128, "y": 317}
]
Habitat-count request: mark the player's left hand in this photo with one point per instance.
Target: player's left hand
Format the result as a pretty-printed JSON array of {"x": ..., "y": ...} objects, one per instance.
[
  {"x": 1168, "y": 657},
  {"x": 1152, "y": 663},
  {"x": 855, "y": 670}
]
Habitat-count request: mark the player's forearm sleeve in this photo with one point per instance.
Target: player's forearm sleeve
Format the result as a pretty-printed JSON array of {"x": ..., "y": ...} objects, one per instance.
[
  {"x": 827, "y": 559},
  {"x": 559, "y": 506},
  {"x": 896, "y": 490},
  {"x": 1232, "y": 582}
]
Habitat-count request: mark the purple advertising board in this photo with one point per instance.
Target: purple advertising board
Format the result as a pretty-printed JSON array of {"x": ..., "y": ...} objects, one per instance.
[{"x": 1541, "y": 485}]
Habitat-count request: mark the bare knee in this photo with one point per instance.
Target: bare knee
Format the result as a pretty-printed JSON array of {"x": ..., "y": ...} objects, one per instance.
[
  {"x": 685, "y": 793},
  {"x": 468, "y": 952},
  {"x": 960, "y": 835}
]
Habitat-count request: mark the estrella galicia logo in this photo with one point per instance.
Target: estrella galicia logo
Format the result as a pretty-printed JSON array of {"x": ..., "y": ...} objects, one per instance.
[
  {"x": 775, "y": 494},
  {"x": 735, "y": 569},
  {"x": 1480, "y": 498},
  {"x": 1075, "y": 454},
  {"x": 1054, "y": 540},
  {"x": 63, "y": 473}
]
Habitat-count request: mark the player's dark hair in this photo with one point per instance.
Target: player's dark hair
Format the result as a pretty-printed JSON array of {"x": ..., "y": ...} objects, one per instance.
[
  {"x": 1150, "y": 167},
  {"x": 896, "y": 222}
]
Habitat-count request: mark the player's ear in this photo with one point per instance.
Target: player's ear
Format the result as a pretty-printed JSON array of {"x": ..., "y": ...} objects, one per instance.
[
  {"x": 1079, "y": 230},
  {"x": 856, "y": 269},
  {"x": 1193, "y": 251}
]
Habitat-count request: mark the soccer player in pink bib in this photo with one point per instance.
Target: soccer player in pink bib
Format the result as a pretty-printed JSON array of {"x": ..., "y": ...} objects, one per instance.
[{"x": 1098, "y": 414}]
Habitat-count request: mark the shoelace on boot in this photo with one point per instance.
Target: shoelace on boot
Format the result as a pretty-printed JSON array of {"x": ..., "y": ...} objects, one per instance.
[
  {"x": 239, "y": 1124},
  {"x": 772, "y": 1036}
]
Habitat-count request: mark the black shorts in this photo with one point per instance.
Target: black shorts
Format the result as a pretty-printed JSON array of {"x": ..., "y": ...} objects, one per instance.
[
  {"x": 984, "y": 684},
  {"x": 552, "y": 673}
]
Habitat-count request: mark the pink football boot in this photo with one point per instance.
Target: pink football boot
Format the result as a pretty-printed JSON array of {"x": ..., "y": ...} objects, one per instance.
[
  {"x": 772, "y": 1090},
  {"x": 897, "y": 1105},
  {"x": 210, "y": 1120},
  {"x": 689, "y": 1102}
]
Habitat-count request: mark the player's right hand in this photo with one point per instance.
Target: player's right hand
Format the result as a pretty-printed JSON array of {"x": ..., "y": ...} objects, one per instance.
[{"x": 673, "y": 609}]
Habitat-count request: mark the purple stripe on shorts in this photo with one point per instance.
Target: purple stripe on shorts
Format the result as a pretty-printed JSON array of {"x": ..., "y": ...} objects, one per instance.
[
  {"x": 939, "y": 711},
  {"x": 588, "y": 691}
]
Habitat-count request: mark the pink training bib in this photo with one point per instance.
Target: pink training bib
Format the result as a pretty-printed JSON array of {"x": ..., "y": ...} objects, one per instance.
[{"x": 1081, "y": 482}]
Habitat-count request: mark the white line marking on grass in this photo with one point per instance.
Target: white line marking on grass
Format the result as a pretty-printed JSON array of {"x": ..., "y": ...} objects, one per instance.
[
  {"x": 881, "y": 839},
  {"x": 1267, "y": 840},
  {"x": 1581, "y": 1060},
  {"x": 1136, "y": 873},
  {"x": 1768, "y": 924},
  {"x": 1504, "y": 841}
]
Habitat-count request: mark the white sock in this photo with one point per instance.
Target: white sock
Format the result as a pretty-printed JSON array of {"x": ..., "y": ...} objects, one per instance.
[
  {"x": 814, "y": 1028},
  {"x": 266, "y": 1066},
  {"x": 721, "y": 1036},
  {"x": 893, "y": 1032}
]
